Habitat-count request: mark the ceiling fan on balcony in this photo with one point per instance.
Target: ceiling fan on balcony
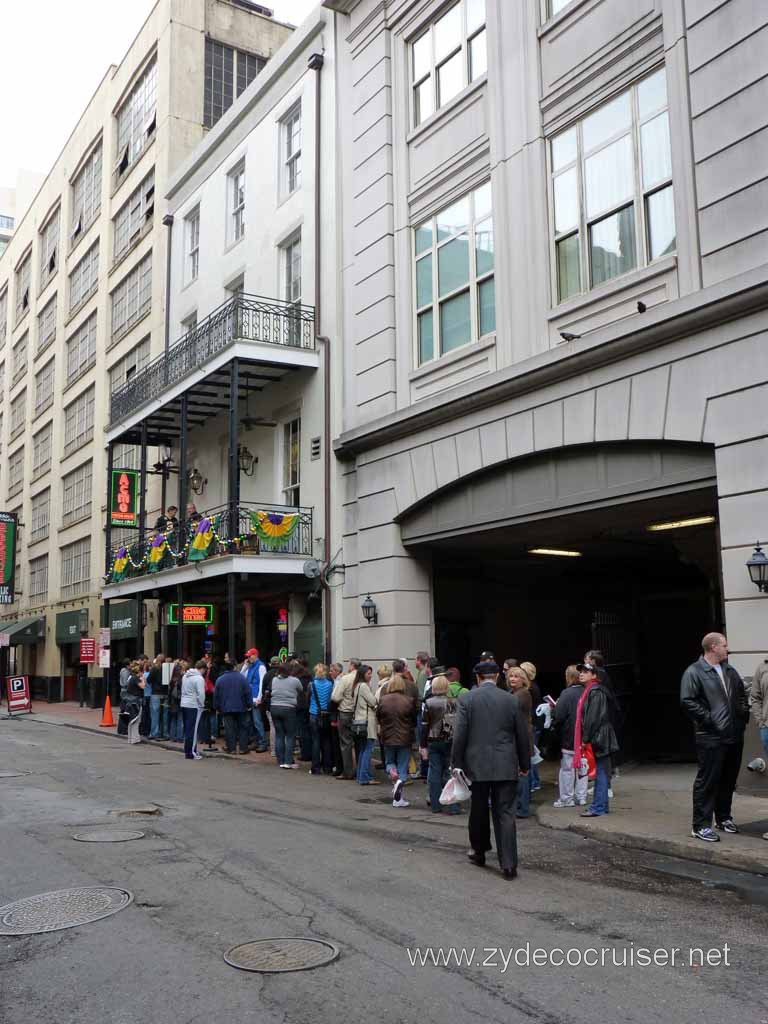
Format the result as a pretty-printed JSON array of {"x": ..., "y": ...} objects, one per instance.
[{"x": 249, "y": 421}]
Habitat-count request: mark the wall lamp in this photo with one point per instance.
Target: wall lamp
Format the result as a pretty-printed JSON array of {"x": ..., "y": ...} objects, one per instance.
[
  {"x": 370, "y": 612},
  {"x": 196, "y": 480},
  {"x": 757, "y": 567},
  {"x": 246, "y": 460}
]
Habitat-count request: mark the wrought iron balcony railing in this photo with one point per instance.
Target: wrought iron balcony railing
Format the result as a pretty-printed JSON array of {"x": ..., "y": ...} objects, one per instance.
[
  {"x": 241, "y": 318},
  {"x": 255, "y": 529}
]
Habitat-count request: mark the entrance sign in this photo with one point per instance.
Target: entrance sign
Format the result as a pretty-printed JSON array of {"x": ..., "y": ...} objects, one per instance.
[
  {"x": 87, "y": 650},
  {"x": 194, "y": 614},
  {"x": 18, "y": 694},
  {"x": 8, "y": 530},
  {"x": 5, "y": 639},
  {"x": 123, "y": 498}
]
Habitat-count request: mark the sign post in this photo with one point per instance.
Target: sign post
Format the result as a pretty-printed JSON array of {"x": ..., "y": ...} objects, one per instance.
[{"x": 18, "y": 694}]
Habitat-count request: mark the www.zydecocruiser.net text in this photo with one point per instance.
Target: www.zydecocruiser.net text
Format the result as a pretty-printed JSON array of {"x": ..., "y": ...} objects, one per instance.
[{"x": 527, "y": 955}]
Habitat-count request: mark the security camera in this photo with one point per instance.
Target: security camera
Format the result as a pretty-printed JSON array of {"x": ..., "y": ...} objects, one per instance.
[{"x": 757, "y": 764}]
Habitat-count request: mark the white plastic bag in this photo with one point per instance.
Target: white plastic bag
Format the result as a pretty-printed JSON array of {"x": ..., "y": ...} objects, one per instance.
[
  {"x": 456, "y": 790},
  {"x": 536, "y": 758}
]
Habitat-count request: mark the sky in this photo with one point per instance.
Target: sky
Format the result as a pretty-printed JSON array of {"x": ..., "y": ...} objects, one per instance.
[{"x": 55, "y": 52}]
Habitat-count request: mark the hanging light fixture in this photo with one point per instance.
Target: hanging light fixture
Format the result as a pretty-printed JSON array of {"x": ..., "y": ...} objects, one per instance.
[
  {"x": 370, "y": 612},
  {"x": 246, "y": 460},
  {"x": 757, "y": 567},
  {"x": 196, "y": 480}
]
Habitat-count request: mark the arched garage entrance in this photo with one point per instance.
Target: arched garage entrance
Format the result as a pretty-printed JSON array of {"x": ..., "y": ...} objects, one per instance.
[{"x": 645, "y": 597}]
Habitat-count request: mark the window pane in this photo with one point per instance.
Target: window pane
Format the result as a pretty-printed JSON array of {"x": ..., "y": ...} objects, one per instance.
[
  {"x": 478, "y": 57},
  {"x": 450, "y": 79},
  {"x": 421, "y": 57},
  {"x": 453, "y": 219},
  {"x": 609, "y": 176},
  {"x": 483, "y": 201},
  {"x": 423, "y": 237},
  {"x": 426, "y": 342},
  {"x": 424, "y": 280},
  {"x": 555, "y": 6},
  {"x": 607, "y": 121},
  {"x": 612, "y": 245},
  {"x": 652, "y": 93},
  {"x": 566, "y": 200},
  {"x": 563, "y": 149},
  {"x": 483, "y": 247},
  {"x": 475, "y": 14},
  {"x": 448, "y": 33},
  {"x": 661, "y": 223},
  {"x": 423, "y": 100},
  {"x": 568, "y": 272},
  {"x": 453, "y": 264},
  {"x": 455, "y": 323},
  {"x": 654, "y": 141},
  {"x": 486, "y": 298}
]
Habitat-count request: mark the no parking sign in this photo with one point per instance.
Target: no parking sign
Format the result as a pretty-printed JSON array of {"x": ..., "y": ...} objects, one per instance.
[{"x": 18, "y": 694}]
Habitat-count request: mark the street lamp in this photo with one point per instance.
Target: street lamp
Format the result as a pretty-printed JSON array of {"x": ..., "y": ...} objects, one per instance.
[
  {"x": 757, "y": 566},
  {"x": 246, "y": 460},
  {"x": 369, "y": 611}
]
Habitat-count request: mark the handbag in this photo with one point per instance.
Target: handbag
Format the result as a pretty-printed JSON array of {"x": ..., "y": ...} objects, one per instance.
[
  {"x": 323, "y": 717},
  {"x": 359, "y": 726}
]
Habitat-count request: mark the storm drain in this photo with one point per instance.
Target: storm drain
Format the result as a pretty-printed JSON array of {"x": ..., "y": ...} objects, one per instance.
[
  {"x": 277, "y": 956},
  {"x": 108, "y": 835},
  {"x": 66, "y": 908}
]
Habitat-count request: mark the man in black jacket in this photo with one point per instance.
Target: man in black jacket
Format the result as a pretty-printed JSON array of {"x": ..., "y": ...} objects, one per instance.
[
  {"x": 491, "y": 744},
  {"x": 233, "y": 700},
  {"x": 713, "y": 696}
]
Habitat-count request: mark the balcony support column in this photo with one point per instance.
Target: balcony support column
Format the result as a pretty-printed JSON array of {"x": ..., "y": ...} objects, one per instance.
[
  {"x": 142, "y": 524},
  {"x": 233, "y": 496},
  {"x": 232, "y": 616},
  {"x": 182, "y": 516},
  {"x": 108, "y": 525}
]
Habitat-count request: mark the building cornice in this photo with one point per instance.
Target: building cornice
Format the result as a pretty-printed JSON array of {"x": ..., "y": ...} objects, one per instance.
[{"x": 701, "y": 310}]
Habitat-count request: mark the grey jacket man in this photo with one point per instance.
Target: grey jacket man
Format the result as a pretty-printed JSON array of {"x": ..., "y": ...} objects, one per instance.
[{"x": 490, "y": 738}]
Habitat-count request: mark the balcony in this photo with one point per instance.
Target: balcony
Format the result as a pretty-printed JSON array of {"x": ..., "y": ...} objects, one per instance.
[
  {"x": 261, "y": 330},
  {"x": 256, "y": 534}
]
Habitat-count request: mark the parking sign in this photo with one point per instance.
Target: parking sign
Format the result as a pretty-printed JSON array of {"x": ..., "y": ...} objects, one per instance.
[{"x": 18, "y": 694}]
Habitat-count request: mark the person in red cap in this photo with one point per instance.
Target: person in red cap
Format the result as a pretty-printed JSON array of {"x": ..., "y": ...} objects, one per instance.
[{"x": 254, "y": 670}]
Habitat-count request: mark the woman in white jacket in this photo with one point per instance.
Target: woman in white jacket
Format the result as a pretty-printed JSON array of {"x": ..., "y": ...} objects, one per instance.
[{"x": 192, "y": 704}]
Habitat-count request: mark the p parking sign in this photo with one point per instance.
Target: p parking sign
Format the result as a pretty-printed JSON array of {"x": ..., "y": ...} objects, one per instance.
[{"x": 18, "y": 694}]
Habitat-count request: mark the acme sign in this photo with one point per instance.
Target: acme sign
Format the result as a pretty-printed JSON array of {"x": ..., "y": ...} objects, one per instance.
[{"x": 8, "y": 530}]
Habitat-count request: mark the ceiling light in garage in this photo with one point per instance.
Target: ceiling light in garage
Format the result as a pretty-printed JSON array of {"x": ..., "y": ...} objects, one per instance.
[
  {"x": 678, "y": 524},
  {"x": 559, "y": 552}
]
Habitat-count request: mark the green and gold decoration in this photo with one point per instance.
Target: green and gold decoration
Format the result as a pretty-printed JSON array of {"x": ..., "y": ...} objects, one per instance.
[{"x": 274, "y": 527}]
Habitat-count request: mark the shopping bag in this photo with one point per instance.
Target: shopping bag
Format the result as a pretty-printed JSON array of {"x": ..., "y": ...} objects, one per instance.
[
  {"x": 456, "y": 790},
  {"x": 588, "y": 765},
  {"x": 536, "y": 758}
]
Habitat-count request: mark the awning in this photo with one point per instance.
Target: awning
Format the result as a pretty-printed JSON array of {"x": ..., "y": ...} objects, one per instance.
[{"x": 25, "y": 631}]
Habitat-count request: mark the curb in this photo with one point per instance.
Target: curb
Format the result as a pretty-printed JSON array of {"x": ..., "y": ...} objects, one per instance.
[{"x": 160, "y": 744}]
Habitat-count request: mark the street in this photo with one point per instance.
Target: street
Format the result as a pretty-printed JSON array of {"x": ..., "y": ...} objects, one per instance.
[{"x": 243, "y": 851}]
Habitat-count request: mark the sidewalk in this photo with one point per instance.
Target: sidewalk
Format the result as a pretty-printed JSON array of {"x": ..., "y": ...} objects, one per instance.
[{"x": 651, "y": 810}]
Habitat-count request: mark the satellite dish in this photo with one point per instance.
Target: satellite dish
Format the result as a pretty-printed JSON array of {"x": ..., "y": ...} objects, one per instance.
[{"x": 312, "y": 569}]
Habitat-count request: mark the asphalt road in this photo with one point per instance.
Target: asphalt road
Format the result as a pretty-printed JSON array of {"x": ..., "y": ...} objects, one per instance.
[{"x": 242, "y": 852}]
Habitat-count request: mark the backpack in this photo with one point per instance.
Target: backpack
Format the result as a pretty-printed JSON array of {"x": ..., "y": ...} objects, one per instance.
[{"x": 443, "y": 730}]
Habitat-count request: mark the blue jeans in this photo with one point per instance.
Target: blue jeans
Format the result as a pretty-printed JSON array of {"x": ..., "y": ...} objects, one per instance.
[
  {"x": 165, "y": 721},
  {"x": 599, "y": 803},
  {"x": 534, "y": 769},
  {"x": 397, "y": 758},
  {"x": 207, "y": 729},
  {"x": 764, "y": 737},
  {"x": 364, "y": 762},
  {"x": 258, "y": 726},
  {"x": 176, "y": 726},
  {"x": 437, "y": 775},
  {"x": 155, "y": 702},
  {"x": 284, "y": 721},
  {"x": 524, "y": 795}
]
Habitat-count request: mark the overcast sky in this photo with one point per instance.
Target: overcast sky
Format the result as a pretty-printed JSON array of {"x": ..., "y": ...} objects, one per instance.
[{"x": 54, "y": 54}]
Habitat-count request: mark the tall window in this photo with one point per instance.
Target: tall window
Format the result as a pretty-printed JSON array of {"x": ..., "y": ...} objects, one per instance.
[
  {"x": 3, "y": 316},
  {"x": 15, "y": 472},
  {"x": 291, "y": 130},
  {"x": 38, "y": 578},
  {"x": 44, "y": 387},
  {"x": 292, "y": 462},
  {"x": 46, "y": 326},
  {"x": 22, "y": 286},
  {"x": 132, "y": 298},
  {"x": 454, "y": 282},
  {"x": 19, "y": 358},
  {"x": 137, "y": 120},
  {"x": 127, "y": 367},
  {"x": 225, "y": 69},
  {"x": 81, "y": 349},
  {"x": 86, "y": 195},
  {"x": 133, "y": 215},
  {"x": 84, "y": 279},
  {"x": 41, "y": 451},
  {"x": 192, "y": 248},
  {"x": 236, "y": 184},
  {"x": 447, "y": 57},
  {"x": 41, "y": 514},
  {"x": 2, "y": 379},
  {"x": 292, "y": 273},
  {"x": 612, "y": 189},
  {"x": 76, "y": 494},
  {"x": 49, "y": 248},
  {"x": 78, "y": 421},
  {"x": 126, "y": 456},
  {"x": 18, "y": 414},
  {"x": 76, "y": 568}
]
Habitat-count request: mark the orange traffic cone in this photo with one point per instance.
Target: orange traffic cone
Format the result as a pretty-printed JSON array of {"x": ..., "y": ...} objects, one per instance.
[{"x": 107, "y": 719}]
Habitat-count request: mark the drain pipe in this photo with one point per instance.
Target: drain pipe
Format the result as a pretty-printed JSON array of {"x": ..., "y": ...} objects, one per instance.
[
  {"x": 315, "y": 63},
  {"x": 168, "y": 223}
]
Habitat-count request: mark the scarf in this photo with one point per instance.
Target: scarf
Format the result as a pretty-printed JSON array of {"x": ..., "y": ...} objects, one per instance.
[{"x": 579, "y": 715}]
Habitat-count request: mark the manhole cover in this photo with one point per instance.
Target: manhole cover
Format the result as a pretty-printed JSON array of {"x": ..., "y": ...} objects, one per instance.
[
  {"x": 107, "y": 835},
  {"x": 275, "y": 956},
  {"x": 66, "y": 908}
]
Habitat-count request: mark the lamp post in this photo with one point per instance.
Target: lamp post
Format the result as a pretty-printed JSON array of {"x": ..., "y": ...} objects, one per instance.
[
  {"x": 370, "y": 611},
  {"x": 757, "y": 567}
]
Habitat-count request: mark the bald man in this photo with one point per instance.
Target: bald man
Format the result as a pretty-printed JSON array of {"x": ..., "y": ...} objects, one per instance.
[{"x": 712, "y": 695}]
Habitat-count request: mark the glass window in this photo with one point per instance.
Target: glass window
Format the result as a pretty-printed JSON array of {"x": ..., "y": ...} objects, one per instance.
[
  {"x": 133, "y": 215},
  {"x": 132, "y": 298},
  {"x": 454, "y": 284},
  {"x": 49, "y": 249},
  {"x": 3, "y": 316},
  {"x": 41, "y": 512},
  {"x": 78, "y": 421},
  {"x": 76, "y": 490},
  {"x": 18, "y": 414},
  {"x": 237, "y": 203},
  {"x": 447, "y": 57},
  {"x": 44, "y": 387},
  {"x": 291, "y": 130},
  {"x": 137, "y": 120},
  {"x": 611, "y": 186},
  {"x": 225, "y": 67},
  {"x": 23, "y": 280},
  {"x": 81, "y": 349},
  {"x": 38, "y": 578},
  {"x": 41, "y": 451},
  {"x": 192, "y": 260},
  {"x": 292, "y": 462},
  {"x": 76, "y": 568},
  {"x": 46, "y": 326},
  {"x": 86, "y": 195},
  {"x": 19, "y": 358},
  {"x": 84, "y": 279},
  {"x": 132, "y": 362},
  {"x": 15, "y": 472}
]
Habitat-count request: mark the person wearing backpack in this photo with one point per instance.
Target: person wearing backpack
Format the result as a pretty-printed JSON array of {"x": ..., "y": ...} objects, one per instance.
[
  {"x": 437, "y": 722},
  {"x": 320, "y": 690}
]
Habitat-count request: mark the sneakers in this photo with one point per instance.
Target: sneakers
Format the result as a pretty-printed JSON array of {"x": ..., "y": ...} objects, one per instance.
[
  {"x": 765, "y": 835},
  {"x": 397, "y": 793},
  {"x": 706, "y": 833},
  {"x": 610, "y": 793},
  {"x": 563, "y": 803},
  {"x": 294, "y": 765},
  {"x": 400, "y": 803},
  {"x": 728, "y": 825},
  {"x": 196, "y": 756},
  {"x": 535, "y": 789}
]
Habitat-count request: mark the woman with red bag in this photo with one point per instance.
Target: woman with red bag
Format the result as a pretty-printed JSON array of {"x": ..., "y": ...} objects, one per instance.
[{"x": 594, "y": 729}]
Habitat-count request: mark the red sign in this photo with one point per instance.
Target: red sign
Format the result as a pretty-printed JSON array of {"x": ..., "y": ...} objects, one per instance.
[
  {"x": 18, "y": 694},
  {"x": 123, "y": 505},
  {"x": 87, "y": 650}
]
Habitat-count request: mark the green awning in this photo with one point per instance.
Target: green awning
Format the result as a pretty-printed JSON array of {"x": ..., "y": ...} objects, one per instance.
[{"x": 25, "y": 631}]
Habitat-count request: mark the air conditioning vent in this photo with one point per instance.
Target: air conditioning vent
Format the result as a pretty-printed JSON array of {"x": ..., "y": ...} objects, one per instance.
[{"x": 315, "y": 448}]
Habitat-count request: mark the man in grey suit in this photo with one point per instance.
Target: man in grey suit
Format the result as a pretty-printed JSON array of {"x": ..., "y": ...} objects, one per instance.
[{"x": 491, "y": 744}]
